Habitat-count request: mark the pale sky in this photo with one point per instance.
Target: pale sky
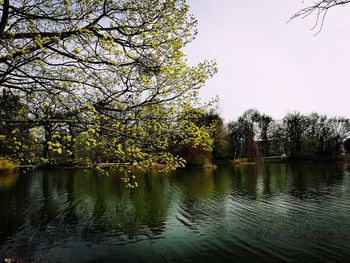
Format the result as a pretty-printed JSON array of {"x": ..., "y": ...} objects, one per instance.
[{"x": 271, "y": 65}]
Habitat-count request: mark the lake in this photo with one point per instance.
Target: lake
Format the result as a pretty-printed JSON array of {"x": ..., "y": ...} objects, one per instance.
[{"x": 246, "y": 213}]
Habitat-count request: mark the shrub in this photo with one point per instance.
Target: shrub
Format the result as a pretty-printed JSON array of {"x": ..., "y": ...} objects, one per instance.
[{"x": 7, "y": 165}]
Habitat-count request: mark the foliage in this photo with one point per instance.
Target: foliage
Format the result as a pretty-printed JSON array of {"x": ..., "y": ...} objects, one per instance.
[
  {"x": 100, "y": 80},
  {"x": 196, "y": 152},
  {"x": 195, "y": 156},
  {"x": 295, "y": 125},
  {"x": 7, "y": 165},
  {"x": 218, "y": 133}
]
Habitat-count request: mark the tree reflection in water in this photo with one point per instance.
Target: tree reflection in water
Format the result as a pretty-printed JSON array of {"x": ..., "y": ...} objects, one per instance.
[{"x": 47, "y": 212}]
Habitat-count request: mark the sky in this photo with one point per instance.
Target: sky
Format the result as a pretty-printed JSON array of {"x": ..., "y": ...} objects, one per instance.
[{"x": 268, "y": 64}]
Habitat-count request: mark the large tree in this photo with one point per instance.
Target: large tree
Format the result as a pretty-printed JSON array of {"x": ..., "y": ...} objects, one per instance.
[
  {"x": 340, "y": 130},
  {"x": 242, "y": 135},
  {"x": 295, "y": 127},
  {"x": 264, "y": 127},
  {"x": 113, "y": 69}
]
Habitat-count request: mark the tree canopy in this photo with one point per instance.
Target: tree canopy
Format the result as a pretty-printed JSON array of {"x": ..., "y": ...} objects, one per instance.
[{"x": 107, "y": 68}]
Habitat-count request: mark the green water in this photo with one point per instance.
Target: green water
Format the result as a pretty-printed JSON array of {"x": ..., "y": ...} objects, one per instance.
[{"x": 250, "y": 213}]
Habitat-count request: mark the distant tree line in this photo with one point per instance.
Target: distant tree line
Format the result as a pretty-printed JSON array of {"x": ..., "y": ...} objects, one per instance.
[{"x": 297, "y": 136}]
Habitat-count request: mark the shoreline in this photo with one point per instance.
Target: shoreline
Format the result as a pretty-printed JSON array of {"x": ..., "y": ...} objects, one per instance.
[{"x": 106, "y": 166}]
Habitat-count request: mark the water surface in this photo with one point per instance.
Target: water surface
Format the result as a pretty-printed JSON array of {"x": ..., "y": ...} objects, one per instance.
[{"x": 250, "y": 213}]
